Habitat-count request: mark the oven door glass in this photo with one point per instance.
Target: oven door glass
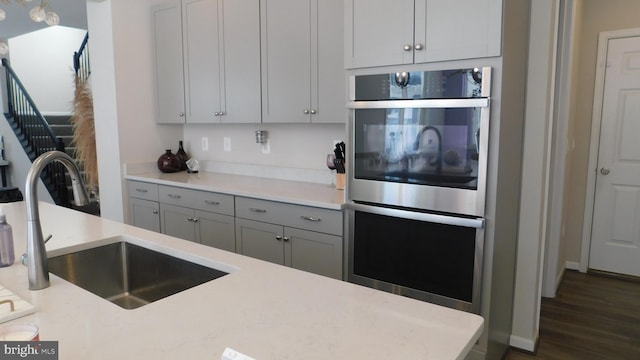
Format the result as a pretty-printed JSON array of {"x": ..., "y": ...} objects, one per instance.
[
  {"x": 415, "y": 256},
  {"x": 424, "y": 146}
]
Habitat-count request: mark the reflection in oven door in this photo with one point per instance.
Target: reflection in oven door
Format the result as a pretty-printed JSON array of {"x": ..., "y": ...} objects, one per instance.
[{"x": 426, "y": 256}]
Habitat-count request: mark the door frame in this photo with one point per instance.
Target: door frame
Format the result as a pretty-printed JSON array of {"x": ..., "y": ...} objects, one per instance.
[{"x": 596, "y": 120}]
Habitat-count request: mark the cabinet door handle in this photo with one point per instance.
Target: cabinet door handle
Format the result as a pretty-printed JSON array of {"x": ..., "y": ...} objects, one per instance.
[
  {"x": 309, "y": 218},
  {"x": 313, "y": 111},
  {"x": 407, "y": 47},
  {"x": 305, "y": 111},
  {"x": 278, "y": 237},
  {"x": 155, "y": 211},
  {"x": 181, "y": 114},
  {"x": 221, "y": 113},
  {"x": 174, "y": 196},
  {"x": 418, "y": 47},
  {"x": 211, "y": 202},
  {"x": 142, "y": 190},
  {"x": 195, "y": 220},
  {"x": 258, "y": 210},
  {"x": 216, "y": 114},
  {"x": 285, "y": 239}
]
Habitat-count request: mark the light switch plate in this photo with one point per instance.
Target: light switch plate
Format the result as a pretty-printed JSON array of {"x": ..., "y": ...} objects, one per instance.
[
  {"x": 205, "y": 143},
  {"x": 227, "y": 144}
]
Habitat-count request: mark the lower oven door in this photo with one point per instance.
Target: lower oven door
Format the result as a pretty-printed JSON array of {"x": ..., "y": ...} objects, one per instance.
[{"x": 431, "y": 257}]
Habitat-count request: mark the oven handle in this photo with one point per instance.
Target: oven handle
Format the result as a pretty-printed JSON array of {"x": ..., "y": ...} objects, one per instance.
[
  {"x": 477, "y": 223},
  {"x": 419, "y": 103}
]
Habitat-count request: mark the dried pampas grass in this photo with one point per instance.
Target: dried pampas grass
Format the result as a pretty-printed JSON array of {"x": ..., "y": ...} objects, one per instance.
[{"x": 84, "y": 134}]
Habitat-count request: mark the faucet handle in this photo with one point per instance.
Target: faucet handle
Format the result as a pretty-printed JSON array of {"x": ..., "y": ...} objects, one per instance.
[{"x": 23, "y": 257}]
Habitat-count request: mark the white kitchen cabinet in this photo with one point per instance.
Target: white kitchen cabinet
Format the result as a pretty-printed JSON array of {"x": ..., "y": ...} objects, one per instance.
[
  {"x": 221, "y": 41},
  {"x": 215, "y": 61},
  {"x": 301, "y": 237},
  {"x": 143, "y": 205},
  {"x": 303, "y": 77},
  {"x": 199, "y": 216},
  {"x": 300, "y": 249},
  {"x": 380, "y": 32},
  {"x": 144, "y": 214},
  {"x": 203, "y": 227},
  {"x": 168, "y": 66}
]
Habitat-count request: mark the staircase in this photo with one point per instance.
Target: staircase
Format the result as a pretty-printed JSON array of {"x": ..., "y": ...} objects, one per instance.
[
  {"x": 39, "y": 135},
  {"x": 63, "y": 130}
]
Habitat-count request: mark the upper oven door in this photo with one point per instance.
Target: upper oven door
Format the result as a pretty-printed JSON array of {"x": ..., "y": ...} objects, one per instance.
[{"x": 414, "y": 148}]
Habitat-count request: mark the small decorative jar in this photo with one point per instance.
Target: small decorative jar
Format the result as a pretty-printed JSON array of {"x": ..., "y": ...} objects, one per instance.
[{"x": 169, "y": 162}]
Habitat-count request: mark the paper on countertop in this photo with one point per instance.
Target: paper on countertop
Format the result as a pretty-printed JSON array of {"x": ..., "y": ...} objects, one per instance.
[
  {"x": 230, "y": 354},
  {"x": 21, "y": 307}
]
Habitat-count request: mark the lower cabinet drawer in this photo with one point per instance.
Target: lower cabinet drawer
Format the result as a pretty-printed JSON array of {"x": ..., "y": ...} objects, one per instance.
[
  {"x": 196, "y": 199},
  {"x": 142, "y": 190},
  {"x": 297, "y": 216}
]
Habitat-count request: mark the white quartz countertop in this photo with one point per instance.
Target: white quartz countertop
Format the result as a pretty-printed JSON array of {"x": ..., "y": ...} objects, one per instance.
[
  {"x": 297, "y": 192},
  {"x": 263, "y": 310}
]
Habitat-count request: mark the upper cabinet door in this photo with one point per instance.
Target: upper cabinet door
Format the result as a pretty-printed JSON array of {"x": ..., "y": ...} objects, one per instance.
[
  {"x": 286, "y": 60},
  {"x": 201, "y": 44},
  {"x": 378, "y": 32},
  {"x": 241, "y": 30},
  {"x": 460, "y": 29},
  {"x": 329, "y": 95},
  {"x": 167, "y": 47}
]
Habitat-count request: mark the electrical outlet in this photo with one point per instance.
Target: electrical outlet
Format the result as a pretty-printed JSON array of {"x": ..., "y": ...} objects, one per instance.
[
  {"x": 205, "y": 143},
  {"x": 265, "y": 147},
  {"x": 227, "y": 144}
]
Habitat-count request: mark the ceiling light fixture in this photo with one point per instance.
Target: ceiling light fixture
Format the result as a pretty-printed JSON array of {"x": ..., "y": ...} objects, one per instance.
[{"x": 39, "y": 13}]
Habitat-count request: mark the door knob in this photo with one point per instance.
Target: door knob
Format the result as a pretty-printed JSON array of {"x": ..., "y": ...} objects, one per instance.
[
  {"x": 604, "y": 171},
  {"x": 418, "y": 47},
  {"x": 407, "y": 48}
]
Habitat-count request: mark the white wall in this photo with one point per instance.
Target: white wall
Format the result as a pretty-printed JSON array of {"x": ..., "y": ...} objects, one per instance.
[
  {"x": 302, "y": 146},
  {"x": 535, "y": 173},
  {"x": 43, "y": 60}
]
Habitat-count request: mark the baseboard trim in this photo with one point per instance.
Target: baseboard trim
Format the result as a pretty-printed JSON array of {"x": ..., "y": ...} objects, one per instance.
[
  {"x": 572, "y": 265},
  {"x": 523, "y": 344}
]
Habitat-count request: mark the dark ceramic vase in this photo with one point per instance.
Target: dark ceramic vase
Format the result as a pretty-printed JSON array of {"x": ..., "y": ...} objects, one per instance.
[
  {"x": 182, "y": 155},
  {"x": 169, "y": 162}
]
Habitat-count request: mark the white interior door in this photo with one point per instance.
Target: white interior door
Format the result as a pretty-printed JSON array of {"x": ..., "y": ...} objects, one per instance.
[{"x": 615, "y": 235}]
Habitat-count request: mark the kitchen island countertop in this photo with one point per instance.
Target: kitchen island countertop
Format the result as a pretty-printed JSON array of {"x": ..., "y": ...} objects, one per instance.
[{"x": 261, "y": 309}]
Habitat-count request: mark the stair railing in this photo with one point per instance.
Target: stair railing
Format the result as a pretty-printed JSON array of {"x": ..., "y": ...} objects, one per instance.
[
  {"x": 35, "y": 134},
  {"x": 81, "y": 59}
]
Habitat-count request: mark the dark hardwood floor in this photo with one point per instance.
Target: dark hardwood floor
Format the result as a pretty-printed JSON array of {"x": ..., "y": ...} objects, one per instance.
[{"x": 593, "y": 317}]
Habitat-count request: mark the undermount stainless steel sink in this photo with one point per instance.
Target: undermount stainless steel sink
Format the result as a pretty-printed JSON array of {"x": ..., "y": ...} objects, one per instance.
[{"x": 130, "y": 275}]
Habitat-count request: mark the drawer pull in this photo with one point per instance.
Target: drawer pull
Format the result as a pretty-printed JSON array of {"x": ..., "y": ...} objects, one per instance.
[
  {"x": 211, "y": 202},
  {"x": 142, "y": 190},
  {"x": 195, "y": 220},
  {"x": 174, "y": 196},
  {"x": 309, "y": 218},
  {"x": 278, "y": 237},
  {"x": 258, "y": 210}
]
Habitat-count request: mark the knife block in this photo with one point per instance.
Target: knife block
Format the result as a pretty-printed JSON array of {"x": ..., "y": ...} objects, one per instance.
[{"x": 340, "y": 181}]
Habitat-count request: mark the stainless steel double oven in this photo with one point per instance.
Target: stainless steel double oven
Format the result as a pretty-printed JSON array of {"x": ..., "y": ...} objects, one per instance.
[{"x": 416, "y": 183}]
